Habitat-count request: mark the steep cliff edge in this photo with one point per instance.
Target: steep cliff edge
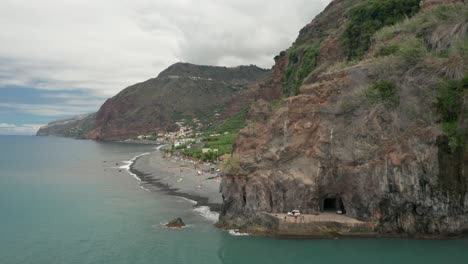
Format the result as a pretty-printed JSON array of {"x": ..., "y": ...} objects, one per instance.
[
  {"x": 377, "y": 132},
  {"x": 74, "y": 127}
]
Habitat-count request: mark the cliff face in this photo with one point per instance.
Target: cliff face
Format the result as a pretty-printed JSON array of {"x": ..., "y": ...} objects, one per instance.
[
  {"x": 366, "y": 137},
  {"x": 181, "y": 91},
  {"x": 76, "y": 127},
  {"x": 323, "y": 27}
]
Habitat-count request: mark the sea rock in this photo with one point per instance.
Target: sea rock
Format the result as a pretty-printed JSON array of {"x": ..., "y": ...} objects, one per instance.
[{"x": 176, "y": 223}]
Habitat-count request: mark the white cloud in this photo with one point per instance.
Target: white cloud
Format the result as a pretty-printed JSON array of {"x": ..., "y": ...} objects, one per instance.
[
  {"x": 5, "y": 125},
  {"x": 107, "y": 45},
  {"x": 23, "y": 129},
  {"x": 68, "y": 108}
]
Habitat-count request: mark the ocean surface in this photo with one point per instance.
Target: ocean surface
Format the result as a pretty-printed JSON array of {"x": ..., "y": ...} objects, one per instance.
[{"x": 65, "y": 201}]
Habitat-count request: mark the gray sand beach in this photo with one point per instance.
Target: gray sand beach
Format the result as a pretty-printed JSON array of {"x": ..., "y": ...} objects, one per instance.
[{"x": 179, "y": 177}]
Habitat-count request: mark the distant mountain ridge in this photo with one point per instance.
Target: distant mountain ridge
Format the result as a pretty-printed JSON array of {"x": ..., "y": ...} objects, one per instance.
[
  {"x": 182, "y": 91},
  {"x": 76, "y": 126}
]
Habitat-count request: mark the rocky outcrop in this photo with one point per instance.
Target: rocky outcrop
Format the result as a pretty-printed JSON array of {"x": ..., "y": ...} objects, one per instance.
[
  {"x": 332, "y": 148},
  {"x": 176, "y": 223},
  {"x": 324, "y": 25}
]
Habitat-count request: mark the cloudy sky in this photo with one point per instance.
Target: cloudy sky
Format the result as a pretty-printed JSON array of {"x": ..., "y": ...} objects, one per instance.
[{"x": 60, "y": 58}]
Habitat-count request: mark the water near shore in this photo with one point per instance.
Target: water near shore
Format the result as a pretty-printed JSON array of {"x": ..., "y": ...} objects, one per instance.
[{"x": 65, "y": 201}]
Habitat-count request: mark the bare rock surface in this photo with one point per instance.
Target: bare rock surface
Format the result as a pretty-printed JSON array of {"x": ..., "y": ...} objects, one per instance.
[
  {"x": 176, "y": 223},
  {"x": 330, "y": 148}
]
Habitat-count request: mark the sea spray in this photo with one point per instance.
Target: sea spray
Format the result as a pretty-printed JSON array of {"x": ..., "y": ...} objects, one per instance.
[
  {"x": 235, "y": 232},
  {"x": 207, "y": 213},
  {"x": 188, "y": 200}
]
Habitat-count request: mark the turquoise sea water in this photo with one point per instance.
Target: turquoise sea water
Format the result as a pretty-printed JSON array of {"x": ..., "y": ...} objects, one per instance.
[{"x": 64, "y": 201}]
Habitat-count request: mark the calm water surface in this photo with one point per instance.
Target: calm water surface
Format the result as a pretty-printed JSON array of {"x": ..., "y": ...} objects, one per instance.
[{"x": 65, "y": 201}]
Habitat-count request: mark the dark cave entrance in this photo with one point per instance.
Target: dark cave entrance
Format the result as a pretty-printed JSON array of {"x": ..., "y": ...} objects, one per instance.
[
  {"x": 332, "y": 204},
  {"x": 329, "y": 204}
]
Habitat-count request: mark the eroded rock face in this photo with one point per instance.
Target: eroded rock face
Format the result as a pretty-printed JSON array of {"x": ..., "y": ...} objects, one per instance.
[
  {"x": 75, "y": 127},
  {"x": 392, "y": 168}
]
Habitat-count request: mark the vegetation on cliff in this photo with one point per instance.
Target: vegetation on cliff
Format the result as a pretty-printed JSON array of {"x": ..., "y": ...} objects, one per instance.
[
  {"x": 355, "y": 37},
  {"x": 231, "y": 166},
  {"x": 435, "y": 43},
  {"x": 383, "y": 91},
  {"x": 368, "y": 17},
  {"x": 450, "y": 96},
  {"x": 302, "y": 61}
]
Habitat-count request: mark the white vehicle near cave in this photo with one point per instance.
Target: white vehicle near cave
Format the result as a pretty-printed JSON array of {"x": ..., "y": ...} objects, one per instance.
[{"x": 294, "y": 213}]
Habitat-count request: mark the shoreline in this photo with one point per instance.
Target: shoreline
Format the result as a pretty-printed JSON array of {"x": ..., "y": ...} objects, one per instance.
[
  {"x": 140, "y": 142},
  {"x": 334, "y": 234},
  {"x": 199, "y": 201},
  {"x": 151, "y": 174}
]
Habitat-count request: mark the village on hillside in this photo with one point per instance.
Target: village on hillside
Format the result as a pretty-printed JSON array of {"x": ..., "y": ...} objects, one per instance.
[{"x": 193, "y": 141}]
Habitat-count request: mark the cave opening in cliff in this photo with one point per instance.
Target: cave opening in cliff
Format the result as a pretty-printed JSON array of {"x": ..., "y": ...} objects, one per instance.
[
  {"x": 332, "y": 204},
  {"x": 329, "y": 204}
]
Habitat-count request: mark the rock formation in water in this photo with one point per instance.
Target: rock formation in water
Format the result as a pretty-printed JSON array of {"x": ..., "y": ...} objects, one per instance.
[
  {"x": 182, "y": 91},
  {"x": 370, "y": 117},
  {"x": 176, "y": 223}
]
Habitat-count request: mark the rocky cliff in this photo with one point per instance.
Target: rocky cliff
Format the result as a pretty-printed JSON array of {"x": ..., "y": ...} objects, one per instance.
[
  {"x": 75, "y": 127},
  {"x": 377, "y": 130},
  {"x": 182, "y": 91}
]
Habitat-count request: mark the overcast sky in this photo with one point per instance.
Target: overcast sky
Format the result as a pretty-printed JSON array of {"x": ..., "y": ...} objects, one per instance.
[{"x": 65, "y": 57}]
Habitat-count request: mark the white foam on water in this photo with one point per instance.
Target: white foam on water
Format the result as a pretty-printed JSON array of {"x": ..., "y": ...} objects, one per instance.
[
  {"x": 234, "y": 232},
  {"x": 143, "y": 188},
  {"x": 128, "y": 164},
  {"x": 163, "y": 225},
  {"x": 188, "y": 200},
  {"x": 159, "y": 147},
  {"x": 207, "y": 213}
]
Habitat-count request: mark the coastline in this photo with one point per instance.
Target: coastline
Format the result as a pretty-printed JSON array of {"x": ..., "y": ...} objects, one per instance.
[
  {"x": 336, "y": 234},
  {"x": 140, "y": 142},
  {"x": 155, "y": 170},
  {"x": 176, "y": 178},
  {"x": 201, "y": 201}
]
